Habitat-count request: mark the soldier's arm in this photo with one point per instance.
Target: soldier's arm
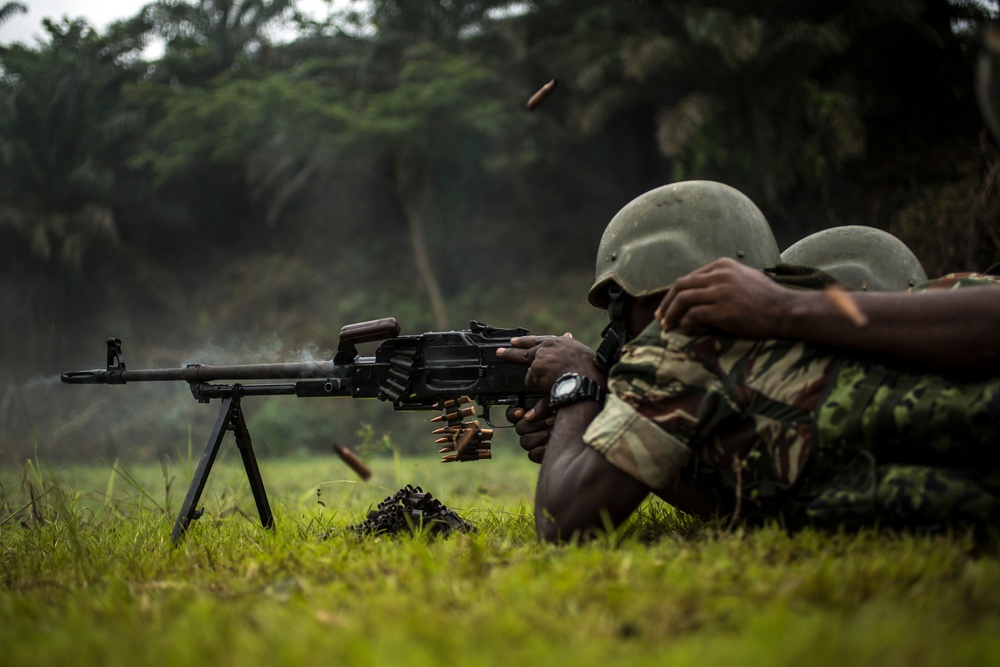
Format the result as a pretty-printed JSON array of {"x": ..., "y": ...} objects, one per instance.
[
  {"x": 944, "y": 330},
  {"x": 579, "y": 493}
]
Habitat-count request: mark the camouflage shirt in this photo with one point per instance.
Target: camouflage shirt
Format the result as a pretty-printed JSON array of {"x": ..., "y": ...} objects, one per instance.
[{"x": 779, "y": 422}]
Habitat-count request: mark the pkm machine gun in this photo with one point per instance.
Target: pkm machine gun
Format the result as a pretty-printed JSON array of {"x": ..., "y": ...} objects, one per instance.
[{"x": 440, "y": 370}]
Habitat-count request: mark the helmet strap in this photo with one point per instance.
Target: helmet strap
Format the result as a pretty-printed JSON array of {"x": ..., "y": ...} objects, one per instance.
[{"x": 615, "y": 334}]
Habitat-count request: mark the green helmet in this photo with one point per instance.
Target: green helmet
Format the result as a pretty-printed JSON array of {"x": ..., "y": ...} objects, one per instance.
[
  {"x": 668, "y": 232},
  {"x": 861, "y": 258}
]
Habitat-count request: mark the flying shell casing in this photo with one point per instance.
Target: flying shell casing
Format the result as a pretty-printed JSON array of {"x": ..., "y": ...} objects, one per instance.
[
  {"x": 542, "y": 93},
  {"x": 465, "y": 437},
  {"x": 844, "y": 302},
  {"x": 353, "y": 462}
]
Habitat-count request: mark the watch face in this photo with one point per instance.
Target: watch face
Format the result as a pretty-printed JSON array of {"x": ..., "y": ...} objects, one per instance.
[{"x": 565, "y": 386}]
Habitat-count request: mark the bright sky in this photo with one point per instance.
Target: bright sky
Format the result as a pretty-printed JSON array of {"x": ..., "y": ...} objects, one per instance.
[{"x": 27, "y": 28}]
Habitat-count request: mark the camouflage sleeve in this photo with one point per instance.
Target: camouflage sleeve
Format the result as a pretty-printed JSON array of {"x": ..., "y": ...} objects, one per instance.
[
  {"x": 958, "y": 281},
  {"x": 637, "y": 445},
  {"x": 725, "y": 401}
]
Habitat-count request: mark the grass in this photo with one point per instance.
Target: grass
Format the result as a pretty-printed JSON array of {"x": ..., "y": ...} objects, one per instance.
[{"x": 90, "y": 577}]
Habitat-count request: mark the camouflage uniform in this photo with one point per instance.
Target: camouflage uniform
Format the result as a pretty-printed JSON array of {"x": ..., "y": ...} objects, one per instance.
[{"x": 788, "y": 430}]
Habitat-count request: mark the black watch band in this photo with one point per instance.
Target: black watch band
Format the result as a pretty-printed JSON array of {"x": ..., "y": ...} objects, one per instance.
[{"x": 572, "y": 388}]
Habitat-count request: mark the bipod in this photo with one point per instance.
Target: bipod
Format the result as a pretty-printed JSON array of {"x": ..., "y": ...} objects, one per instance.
[{"x": 230, "y": 419}]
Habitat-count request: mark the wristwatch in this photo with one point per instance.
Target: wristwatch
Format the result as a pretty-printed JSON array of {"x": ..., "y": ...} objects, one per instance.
[{"x": 573, "y": 387}]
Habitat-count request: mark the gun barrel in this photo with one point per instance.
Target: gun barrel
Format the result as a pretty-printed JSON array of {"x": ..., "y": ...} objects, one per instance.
[
  {"x": 203, "y": 373},
  {"x": 85, "y": 377}
]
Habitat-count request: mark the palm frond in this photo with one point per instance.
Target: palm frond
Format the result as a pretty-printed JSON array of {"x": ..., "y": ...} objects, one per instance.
[{"x": 9, "y": 9}]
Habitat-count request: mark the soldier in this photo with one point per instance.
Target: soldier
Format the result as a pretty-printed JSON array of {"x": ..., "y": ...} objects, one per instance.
[
  {"x": 644, "y": 248},
  {"x": 720, "y": 402}
]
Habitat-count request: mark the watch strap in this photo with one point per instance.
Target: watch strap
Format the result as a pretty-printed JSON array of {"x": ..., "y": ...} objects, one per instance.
[{"x": 588, "y": 390}]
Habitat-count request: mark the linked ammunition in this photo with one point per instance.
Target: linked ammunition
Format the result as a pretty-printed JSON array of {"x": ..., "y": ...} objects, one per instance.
[
  {"x": 476, "y": 455},
  {"x": 454, "y": 429},
  {"x": 455, "y": 416},
  {"x": 452, "y": 402},
  {"x": 482, "y": 444}
]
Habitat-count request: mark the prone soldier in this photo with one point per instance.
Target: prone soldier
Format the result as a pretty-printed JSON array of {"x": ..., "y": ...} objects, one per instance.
[{"x": 737, "y": 395}]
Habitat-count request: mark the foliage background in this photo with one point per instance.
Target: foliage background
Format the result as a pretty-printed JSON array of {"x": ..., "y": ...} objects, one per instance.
[{"x": 241, "y": 198}]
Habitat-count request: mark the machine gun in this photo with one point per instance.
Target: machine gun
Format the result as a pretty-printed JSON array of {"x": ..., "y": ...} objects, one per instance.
[{"x": 439, "y": 370}]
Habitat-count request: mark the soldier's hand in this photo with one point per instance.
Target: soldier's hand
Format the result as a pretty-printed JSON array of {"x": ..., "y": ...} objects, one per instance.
[
  {"x": 534, "y": 426},
  {"x": 725, "y": 295},
  {"x": 549, "y": 357}
]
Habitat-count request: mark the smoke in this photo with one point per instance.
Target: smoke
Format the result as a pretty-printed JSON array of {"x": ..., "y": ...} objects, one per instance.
[{"x": 270, "y": 348}]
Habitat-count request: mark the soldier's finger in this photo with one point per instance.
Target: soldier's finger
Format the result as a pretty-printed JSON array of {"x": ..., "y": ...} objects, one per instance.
[
  {"x": 525, "y": 427},
  {"x": 661, "y": 310},
  {"x": 527, "y": 341},
  {"x": 531, "y": 441},
  {"x": 537, "y": 454},
  {"x": 695, "y": 320},
  {"x": 518, "y": 356},
  {"x": 681, "y": 304},
  {"x": 700, "y": 278},
  {"x": 539, "y": 410},
  {"x": 514, "y": 414}
]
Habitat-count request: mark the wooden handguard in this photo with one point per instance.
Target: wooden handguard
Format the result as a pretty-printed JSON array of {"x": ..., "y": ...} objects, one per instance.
[{"x": 372, "y": 330}]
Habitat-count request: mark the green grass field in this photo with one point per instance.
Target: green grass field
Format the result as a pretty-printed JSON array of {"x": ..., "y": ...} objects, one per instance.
[{"x": 90, "y": 577}]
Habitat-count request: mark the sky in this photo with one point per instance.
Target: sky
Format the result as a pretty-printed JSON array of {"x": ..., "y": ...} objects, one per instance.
[{"x": 27, "y": 28}]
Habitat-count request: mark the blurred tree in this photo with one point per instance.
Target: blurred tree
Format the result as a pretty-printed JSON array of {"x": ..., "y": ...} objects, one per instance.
[
  {"x": 434, "y": 103},
  {"x": 204, "y": 197},
  {"x": 775, "y": 98},
  {"x": 434, "y": 130},
  {"x": 738, "y": 92},
  {"x": 412, "y": 107},
  {"x": 209, "y": 37},
  {"x": 63, "y": 130}
]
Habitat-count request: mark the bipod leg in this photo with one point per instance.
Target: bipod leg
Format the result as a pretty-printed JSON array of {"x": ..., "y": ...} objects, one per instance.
[
  {"x": 188, "y": 511},
  {"x": 230, "y": 418},
  {"x": 242, "y": 433}
]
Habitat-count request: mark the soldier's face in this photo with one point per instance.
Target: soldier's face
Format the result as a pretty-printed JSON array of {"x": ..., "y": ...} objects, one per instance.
[{"x": 639, "y": 312}]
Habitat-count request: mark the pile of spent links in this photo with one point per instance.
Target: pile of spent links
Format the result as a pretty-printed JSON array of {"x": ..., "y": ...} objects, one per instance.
[{"x": 408, "y": 510}]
